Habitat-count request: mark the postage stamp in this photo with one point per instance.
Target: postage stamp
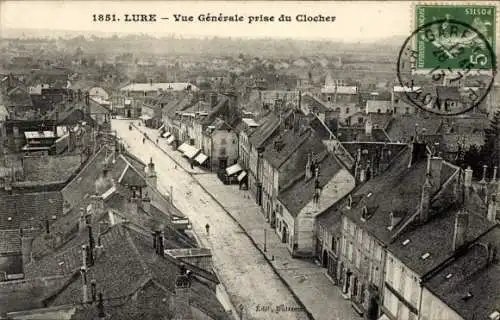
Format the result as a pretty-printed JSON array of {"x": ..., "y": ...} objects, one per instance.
[
  {"x": 451, "y": 38},
  {"x": 448, "y": 63}
]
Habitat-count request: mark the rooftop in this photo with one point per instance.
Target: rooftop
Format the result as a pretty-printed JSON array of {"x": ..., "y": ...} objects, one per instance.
[
  {"x": 268, "y": 126},
  {"x": 346, "y": 134},
  {"x": 298, "y": 195},
  {"x": 398, "y": 190},
  {"x": 171, "y": 86},
  {"x": 469, "y": 285}
]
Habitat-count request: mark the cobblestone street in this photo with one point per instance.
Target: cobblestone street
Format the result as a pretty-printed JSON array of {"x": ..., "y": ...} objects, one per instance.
[{"x": 305, "y": 279}]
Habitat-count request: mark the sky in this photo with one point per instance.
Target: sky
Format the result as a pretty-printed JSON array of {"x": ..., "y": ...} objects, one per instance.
[{"x": 354, "y": 21}]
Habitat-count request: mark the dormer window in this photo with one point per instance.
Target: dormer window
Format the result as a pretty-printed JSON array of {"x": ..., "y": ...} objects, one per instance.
[
  {"x": 467, "y": 296},
  {"x": 448, "y": 276},
  {"x": 405, "y": 243},
  {"x": 425, "y": 256},
  {"x": 9, "y": 219}
]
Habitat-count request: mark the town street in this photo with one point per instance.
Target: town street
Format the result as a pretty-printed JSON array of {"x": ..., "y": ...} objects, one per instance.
[{"x": 248, "y": 278}]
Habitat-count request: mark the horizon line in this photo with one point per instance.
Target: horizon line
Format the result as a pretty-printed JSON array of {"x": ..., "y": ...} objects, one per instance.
[{"x": 109, "y": 34}]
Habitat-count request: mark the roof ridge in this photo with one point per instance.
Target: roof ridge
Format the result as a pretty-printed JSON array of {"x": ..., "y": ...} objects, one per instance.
[
  {"x": 144, "y": 266},
  {"x": 297, "y": 146},
  {"x": 90, "y": 161}
]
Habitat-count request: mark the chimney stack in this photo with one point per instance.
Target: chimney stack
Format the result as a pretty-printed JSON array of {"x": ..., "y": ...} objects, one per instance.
[
  {"x": 182, "y": 294},
  {"x": 146, "y": 203},
  {"x": 468, "y": 178},
  {"x": 308, "y": 173},
  {"x": 83, "y": 272},
  {"x": 93, "y": 290},
  {"x": 47, "y": 226},
  {"x": 425, "y": 201},
  {"x": 460, "y": 232},
  {"x": 418, "y": 152},
  {"x": 492, "y": 208},
  {"x": 91, "y": 246},
  {"x": 368, "y": 127},
  {"x": 82, "y": 223},
  {"x": 159, "y": 245},
  {"x": 100, "y": 308},
  {"x": 435, "y": 165},
  {"x": 151, "y": 177}
]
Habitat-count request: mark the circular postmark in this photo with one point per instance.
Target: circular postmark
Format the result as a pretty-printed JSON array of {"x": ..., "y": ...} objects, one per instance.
[{"x": 446, "y": 67}]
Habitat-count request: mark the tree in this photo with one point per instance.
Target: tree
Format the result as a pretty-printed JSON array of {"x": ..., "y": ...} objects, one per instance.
[{"x": 491, "y": 149}]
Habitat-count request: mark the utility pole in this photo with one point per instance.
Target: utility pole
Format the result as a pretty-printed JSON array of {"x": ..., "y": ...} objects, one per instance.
[
  {"x": 265, "y": 238},
  {"x": 171, "y": 195}
]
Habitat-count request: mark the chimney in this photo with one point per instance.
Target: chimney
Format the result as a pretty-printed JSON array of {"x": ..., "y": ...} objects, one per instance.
[
  {"x": 460, "y": 232},
  {"x": 159, "y": 245},
  {"x": 368, "y": 127},
  {"x": 146, "y": 204},
  {"x": 492, "y": 208},
  {"x": 100, "y": 308},
  {"x": 151, "y": 175},
  {"x": 82, "y": 223},
  {"x": 91, "y": 246},
  {"x": 425, "y": 201},
  {"x": 494, "y": 178},
  {"x": 155, "y": 240},
  {"x": 468, "y": 178},
  {"x": 97, "y": 204},
  {"x": 308, "y": 173},
  {"x": 182, "y": 293},
  {"x": 491, "y": 253},
  {"x": 47, "y": 226},
  {"x": 483, "y": 179},
  {"x": 133, "y": 203},
  {"x": 435, "y": 165},
  {"x": 213, "y": 100},
  {"x": 83, "y": 273},
  {"x": 93, "y": 290}
]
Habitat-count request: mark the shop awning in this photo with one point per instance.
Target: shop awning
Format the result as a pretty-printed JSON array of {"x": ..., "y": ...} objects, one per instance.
[
  {"x": 161, "y": 128},
  {"x": 165, "y": 134},
  {"x": 242, "y": 175},
  {"x": 200, "y": 158},
  {"x": 383, "y": 317},
  {"x": 145, "y": 117},
  {"x": 170, "y": 139},
  {"x": 235, "y": 168},
  {"x": 183, "y": 147},
  {"x": 191, "y": 152}
]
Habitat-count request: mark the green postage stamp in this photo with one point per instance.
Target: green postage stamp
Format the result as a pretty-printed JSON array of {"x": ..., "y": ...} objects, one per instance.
[{"x": 458, "y": 36}]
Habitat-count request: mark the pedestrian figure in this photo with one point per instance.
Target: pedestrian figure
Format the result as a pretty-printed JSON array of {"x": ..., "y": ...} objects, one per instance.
[
  {"x": 207, "y": 227},
  {"x": 143, "y": 140},
  {"x": 157, "y": 140}
]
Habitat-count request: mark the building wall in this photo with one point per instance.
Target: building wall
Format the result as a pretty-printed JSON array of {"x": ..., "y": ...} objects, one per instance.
[
  {"x": 244, "y": 150},
  {"x": 198, "y": 135},
  {"x": 362, "y": 261},
  {"x": 406, "y": 283},
  {"x": 225, "y": 146},
  {"x": 285, "y": 221},
  {"x": 339, "y": 186},
  {"x": 434, "y": 309}
]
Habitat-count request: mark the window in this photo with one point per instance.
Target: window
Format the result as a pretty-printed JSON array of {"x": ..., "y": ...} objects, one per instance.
[
  {"x": 407, "y": 110},
  {"x": 329, "y": 98},
  {"x": 379, "y": 111},
  {"x": 347, "y": 110}
]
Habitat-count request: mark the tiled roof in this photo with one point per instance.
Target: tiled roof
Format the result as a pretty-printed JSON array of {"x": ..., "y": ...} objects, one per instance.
[
  {"x": 283, "y": 145},
  {"x": 297, "y": 196},
  {"x": 21, "y": 210},
  {"x": 131, "y": 256},
  {"x": 399, "y": 189},
  {"x": 470, "y": 273},
  {"x": 10, "y": 241},
  {"x": 402, "y": 128},
  {"x": 130, "y": 177},
  {"x": 359, "y": 134},
  {"x": 331, "y": 220},
  {"x": 268, "y": 126},
  {"x": 377, "y": 104},
  {"x": 171, "y": 86},
  {"x": 372, "y": 152},
  {"x": 380, "y": 120},
  {"x": 438, "y": 230}
]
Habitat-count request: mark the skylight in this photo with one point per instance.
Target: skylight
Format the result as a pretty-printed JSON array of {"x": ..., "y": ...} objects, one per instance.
[
  {"x": 406, "y": 242},
  {"x": 9, "y": 218},
  {"x": 425, "y": 256},
  {"x": 495, "y": 315},
  {"x": 448, "y": 276},
  {"x": 369, "y": 195}
]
